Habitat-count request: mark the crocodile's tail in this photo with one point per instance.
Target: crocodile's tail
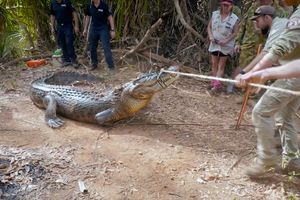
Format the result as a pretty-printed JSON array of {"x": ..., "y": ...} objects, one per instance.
[{"x": 69, "y": 77}]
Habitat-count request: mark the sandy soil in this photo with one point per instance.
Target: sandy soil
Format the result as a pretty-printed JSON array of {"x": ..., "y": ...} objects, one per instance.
[{"x": 182, "y": 146}]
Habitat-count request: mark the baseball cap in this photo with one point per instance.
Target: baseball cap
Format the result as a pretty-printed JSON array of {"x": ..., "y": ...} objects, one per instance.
[
  {"x": 263, "y": 10},
  {"x": 228, "y": 2}
]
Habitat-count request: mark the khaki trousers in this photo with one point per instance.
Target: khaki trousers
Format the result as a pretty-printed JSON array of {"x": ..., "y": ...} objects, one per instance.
[{"x": 281, "y": 107}]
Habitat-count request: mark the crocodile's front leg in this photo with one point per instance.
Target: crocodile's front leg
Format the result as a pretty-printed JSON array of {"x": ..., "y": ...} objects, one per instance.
[
  {"x": 50, "y": 117},
  {"x": 106, "y": 117}
]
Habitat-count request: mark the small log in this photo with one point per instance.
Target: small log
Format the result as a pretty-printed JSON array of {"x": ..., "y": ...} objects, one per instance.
[
  {"x": 167, "y": 61},
  {"x": 158, "y": 57}
]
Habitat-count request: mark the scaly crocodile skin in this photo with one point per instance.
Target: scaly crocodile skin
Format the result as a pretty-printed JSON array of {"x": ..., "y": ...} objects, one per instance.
[{"x": 54, "y": 93}]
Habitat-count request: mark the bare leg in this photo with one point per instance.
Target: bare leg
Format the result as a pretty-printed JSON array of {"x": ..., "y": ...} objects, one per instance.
[
  {"x": 220, "y": 72},
  {"x": 215, "y": 63},
  {"x": 221, "y": 66}
]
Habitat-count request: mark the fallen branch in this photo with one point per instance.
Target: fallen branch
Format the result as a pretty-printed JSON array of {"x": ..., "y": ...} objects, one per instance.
[
  {"x": 166, "y": 61},
  {"x": 191, "y": 46},
  {"x": 158, "y": 57},
  {"x": 145, "y": 38},
  {"x": 15, "y": 61},
  {"x": 204, "y": 21},
  {"x": 184, "y": 23}
]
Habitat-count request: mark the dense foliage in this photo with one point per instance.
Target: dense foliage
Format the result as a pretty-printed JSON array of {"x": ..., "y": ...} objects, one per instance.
[{"x": 25, "y": 28}]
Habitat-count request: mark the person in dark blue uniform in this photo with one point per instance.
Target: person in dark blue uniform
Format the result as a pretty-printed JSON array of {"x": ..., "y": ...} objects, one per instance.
[
  {"x": 100, "y": 16},
  {"x": 63, "y": 12}
]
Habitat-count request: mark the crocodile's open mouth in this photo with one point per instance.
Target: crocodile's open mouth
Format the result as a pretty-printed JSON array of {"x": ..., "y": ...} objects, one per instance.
[
  {"x": 163, "y": 74},
  {"x": 146, "y": 85},
  {"x": 163, "y": 78}
]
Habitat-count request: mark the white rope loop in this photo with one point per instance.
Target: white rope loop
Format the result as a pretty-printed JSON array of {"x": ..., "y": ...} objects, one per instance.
[{"x": 297, "y": 93}]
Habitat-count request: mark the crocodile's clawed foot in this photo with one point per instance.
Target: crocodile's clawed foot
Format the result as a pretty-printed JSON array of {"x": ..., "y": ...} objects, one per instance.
[{"x": 55, "y": 122}]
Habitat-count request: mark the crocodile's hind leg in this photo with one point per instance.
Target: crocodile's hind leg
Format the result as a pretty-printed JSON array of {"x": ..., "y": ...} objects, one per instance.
[
  {"x": 50, "y": 117},
  {"x": 106, "y": 117}
]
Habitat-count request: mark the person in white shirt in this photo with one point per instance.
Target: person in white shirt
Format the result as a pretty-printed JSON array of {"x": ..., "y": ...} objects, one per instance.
[{"x": 222, "y": 30}]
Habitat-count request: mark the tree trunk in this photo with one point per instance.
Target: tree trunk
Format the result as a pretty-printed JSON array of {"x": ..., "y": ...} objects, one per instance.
[{"x": 214, "y": 4}]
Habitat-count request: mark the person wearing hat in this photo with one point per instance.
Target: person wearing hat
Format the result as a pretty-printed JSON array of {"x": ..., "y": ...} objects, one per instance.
[
  {"x": 289, "y": 70},
  {"x": 275, "y": 104},
  {"x": 222, "y": 30},
  {"x": 248, "y": 40},
  {"x": 270, "y": 26}
]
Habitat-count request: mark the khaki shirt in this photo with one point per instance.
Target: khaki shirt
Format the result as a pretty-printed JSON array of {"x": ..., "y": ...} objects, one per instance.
[
  {"x": 287, "y": 47},
  {"x": 277, "y": 28},
  {"x": 248, "y": 37}
]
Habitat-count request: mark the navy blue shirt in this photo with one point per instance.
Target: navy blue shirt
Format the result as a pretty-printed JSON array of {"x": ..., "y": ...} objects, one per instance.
[
  {"x": 99, "y": 14},
  {"x": 62, "y": 11}
]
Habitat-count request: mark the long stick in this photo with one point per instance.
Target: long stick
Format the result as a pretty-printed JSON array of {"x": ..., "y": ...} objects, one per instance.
[
  {"x": 243, "y": 108},
  {"x": 246, "y": 97}
]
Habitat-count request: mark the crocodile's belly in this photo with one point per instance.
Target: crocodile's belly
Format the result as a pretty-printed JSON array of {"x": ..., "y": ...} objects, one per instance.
[
  {"x": 74, "y": 104},
  {"x": 80, "y": 109}
]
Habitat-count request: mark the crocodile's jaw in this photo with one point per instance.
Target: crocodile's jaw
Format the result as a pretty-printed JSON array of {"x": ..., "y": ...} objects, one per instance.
[
  {"x": 148, "y": 85},
  {"x": 132, "y": 105},
  {"x": 149, "y": 91}
]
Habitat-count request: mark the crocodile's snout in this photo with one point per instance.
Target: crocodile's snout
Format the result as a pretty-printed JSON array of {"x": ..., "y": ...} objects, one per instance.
[{"x": 174, "y": 68}]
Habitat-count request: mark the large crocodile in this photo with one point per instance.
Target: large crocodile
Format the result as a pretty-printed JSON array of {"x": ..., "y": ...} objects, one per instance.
[{"x": 55, "y": 94}]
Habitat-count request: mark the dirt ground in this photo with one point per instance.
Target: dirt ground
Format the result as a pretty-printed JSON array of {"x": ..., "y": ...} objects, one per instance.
[{"x": 182, "y": 146}]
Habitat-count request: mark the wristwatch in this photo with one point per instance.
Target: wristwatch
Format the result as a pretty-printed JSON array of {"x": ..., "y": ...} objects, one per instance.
[{"x": 242, "y": 72}]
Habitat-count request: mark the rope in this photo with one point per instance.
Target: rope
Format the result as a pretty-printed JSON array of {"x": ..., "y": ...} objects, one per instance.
[{"x": 297, "y": 93}]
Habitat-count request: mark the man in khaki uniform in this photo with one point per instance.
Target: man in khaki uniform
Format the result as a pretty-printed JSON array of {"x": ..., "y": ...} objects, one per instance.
[
  {"x": 248, "y": 39},
  {"x": 289, "y": 70},
  {"x": 271, "y": 27},
  {"x": 278, "y": 105}
]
